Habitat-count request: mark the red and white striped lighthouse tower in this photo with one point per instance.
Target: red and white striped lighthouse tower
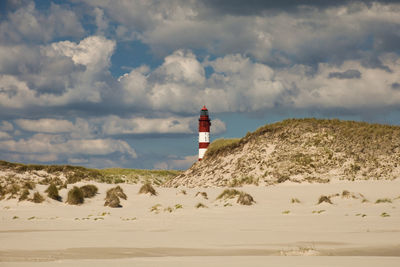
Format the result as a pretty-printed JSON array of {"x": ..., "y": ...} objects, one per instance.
[{"x": 204, "y": 132}]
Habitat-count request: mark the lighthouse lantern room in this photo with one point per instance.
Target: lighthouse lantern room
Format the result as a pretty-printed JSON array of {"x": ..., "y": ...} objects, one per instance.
[{"x": 204, "y": 132}]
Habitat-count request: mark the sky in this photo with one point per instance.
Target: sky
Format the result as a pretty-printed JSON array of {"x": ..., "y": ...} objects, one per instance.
[{"x": 118, "y": 83}]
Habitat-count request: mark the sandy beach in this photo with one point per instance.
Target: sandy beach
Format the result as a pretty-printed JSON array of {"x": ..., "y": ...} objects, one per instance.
[{"x": 168, "y": 230}]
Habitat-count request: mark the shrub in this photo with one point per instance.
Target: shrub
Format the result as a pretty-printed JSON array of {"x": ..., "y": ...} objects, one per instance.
[
  {"x": 112, "y": 200},
  {"x": 37, "y": 198},
  {"x": 24, "y": 195},
  {"x": 12, "y": 189},
  {"x": 346, "y": 194},
  {"x": 228, "y": 194},
  {"x": 295, "y": 200},
  {"x": 200, "y": 205},
  {"x": 245, "y": 199},
  {"x": 29, "y": 185},
  {"x": 383, "y": 200},
  {"x": 89, "y": 190},
  {"x": 324, "y": 199},
  {"x": 52, "y": 192},
  {"x": 75, "y": 196},
  {"x": 112, "y": 197},
  {"x": 203, "y": 194},
  {"x": 116, "y": 191},
  {"x": 147, "y": 188}
]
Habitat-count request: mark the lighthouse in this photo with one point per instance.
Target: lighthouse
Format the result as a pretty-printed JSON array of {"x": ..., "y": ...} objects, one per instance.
[{"x": 204, "y": 132}]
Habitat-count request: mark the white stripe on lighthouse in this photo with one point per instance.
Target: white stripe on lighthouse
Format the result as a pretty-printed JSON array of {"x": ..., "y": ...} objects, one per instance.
[
  {"x": 202, "y": 151},
  {"x": 204, "y": 137}
]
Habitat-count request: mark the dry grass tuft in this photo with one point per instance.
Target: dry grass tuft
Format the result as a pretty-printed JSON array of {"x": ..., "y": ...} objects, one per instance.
[
  {"x": 29, "y": 185},
  {"x": 324, "y": 199},
  {"x": 295, "y": 200},
  {"x": 383, "y": 200},
  {"x": 113, "y": 195},
  {"x": 200, "y": 205},
  {"x": 52, "y": 192},
  {"x": 89, "y": 190},
  {"x": 229, "y": 194},
  {"x": 245, "y": 199},
  {"x": 118, "y": 191},
  {"x": 112, "y": 201},
  {"x": 203, "y": 194},
  {"x": 24, "y": 195},
  {"x": 37, "y": 198},
  {"x": 75, "y": 196},
  {"x": 346, "y": 194},
  {"x": 147, "y": 188}
]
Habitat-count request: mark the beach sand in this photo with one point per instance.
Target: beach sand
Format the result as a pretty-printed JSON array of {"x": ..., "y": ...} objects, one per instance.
[{"x": 274, "y": 231}]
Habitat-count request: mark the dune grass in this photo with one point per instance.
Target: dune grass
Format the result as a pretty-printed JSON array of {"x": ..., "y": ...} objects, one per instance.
[
  {"x": 200, "y": 205},
  {"x": 89, "y": 190},
  {"x": 203, "y": 194},
  {"x": 383, "y": 200},
  {"x": 295, "y": 200},
  {"x": 52, "y": 192},
  {"x": 113, "y": 196},
  {"x": 245, "y": 199},
  {"x": 24, "y": 195},
  {"x": 228, "y": 194},
  {"x": 221, "y": 145},
  {"x": 323, "y": 198},
  {"x": 147, "y": 188},
  {"x": 75, "y": 196},
  {"x": 37, "y": 198}
]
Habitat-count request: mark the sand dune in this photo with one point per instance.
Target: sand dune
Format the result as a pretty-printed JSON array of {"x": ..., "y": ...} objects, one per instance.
[{"x": 168, "y": 230}]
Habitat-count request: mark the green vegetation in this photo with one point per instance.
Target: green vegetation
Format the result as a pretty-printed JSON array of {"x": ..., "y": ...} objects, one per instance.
[
  {"x": 228, "y": 194},
  {"x": 89, "y": 190},
  {"x": 75, "y": 174},
  {"x": 286, "y": 212},
  {"x": 52, "y": 192},
  {"x": 383, "y": 200},
  {"x": 200, "y": 205},
  {"x": 147, "y": 189},
  {"x": 112, "y": 197},
  {"x": 318, "y": 211},
  {"x": 203, "y": 194},
  {"x": 24, "y": 195},
  {"x": 37, "y": 198},
  {"x": 75, "y": 196},
  {"x": 384, "y": 214},
  {"x": 221, "y": 145},
  {"x": 245, "y": 199},
  {"x": 295, "y": 200},
  {"x": 326, "y": 199},
  {"x": 243, "y": 181}
]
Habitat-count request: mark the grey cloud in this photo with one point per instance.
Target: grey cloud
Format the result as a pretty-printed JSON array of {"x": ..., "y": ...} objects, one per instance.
[
  {"x": 27, "y": 24},
  {"x": 395, "y": 86},
  {"x": 348, "y": 74}
]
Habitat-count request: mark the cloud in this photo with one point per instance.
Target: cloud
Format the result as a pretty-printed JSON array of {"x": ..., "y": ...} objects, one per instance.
[
  {"x": 27, "y": 24},
  {"x": 348, "y": 74},
  {"x": 114, "y": 125},
  {"x": 396, "y": 86},
  {"x": 5, "y": 135},
  {"x": 45, "y": 125},
  {"x": 279, "y": 33},
  {"x": 6, "y": 126},
  {"x": 45, "y": 144},
  {"x": 56, "y": 74}
]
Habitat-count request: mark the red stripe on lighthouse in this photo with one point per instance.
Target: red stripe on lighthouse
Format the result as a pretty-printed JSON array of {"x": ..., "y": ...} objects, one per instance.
[
  {"x": 203, "y": 145},
  {"x": 204, "y": 132}
]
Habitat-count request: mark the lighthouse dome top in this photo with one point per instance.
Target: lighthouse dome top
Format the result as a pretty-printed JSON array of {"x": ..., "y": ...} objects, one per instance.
[{"x": 204, "y": 111}]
